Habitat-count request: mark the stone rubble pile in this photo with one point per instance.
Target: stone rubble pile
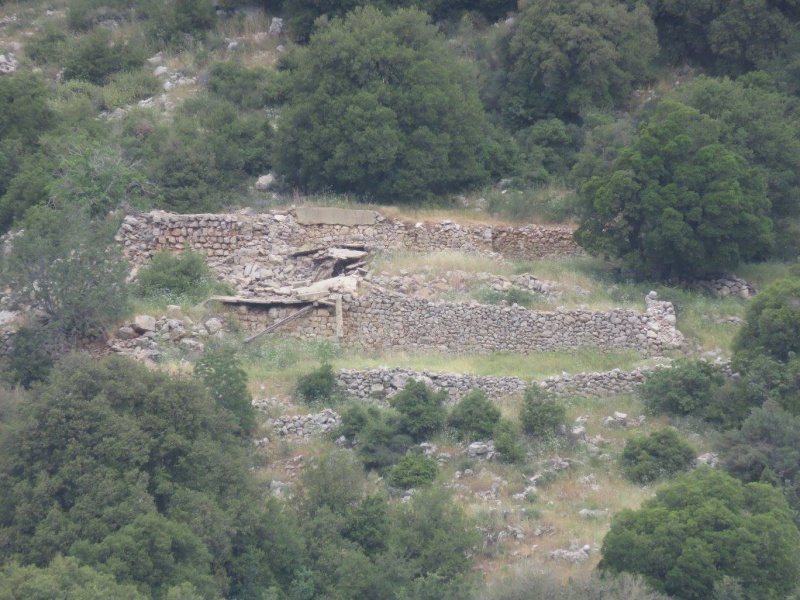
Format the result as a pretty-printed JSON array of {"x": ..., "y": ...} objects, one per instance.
[
  {"x": 305, "y": 426},
  {"x": 729, "y": 286},
  {"x": 428, "y": 284},
  {"x": 144, "y": 337}
]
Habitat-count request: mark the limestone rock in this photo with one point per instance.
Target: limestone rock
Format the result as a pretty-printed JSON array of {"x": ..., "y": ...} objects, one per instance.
[
  {"x": 144, "y": 323},
  {"x": 265, "y": 182}
]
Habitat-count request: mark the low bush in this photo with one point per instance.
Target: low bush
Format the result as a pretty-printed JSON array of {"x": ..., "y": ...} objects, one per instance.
[
  {"x": 47, "y": 46},
  {"x": 247, "y": 88},
  {"x": 176, "y": 22},
  {"x": 414, "y": 470},
  {"x": 29, "y": 360},
  {"x": 687, "y": 388},
  {"x": 179, "y": 275},
  {"x": 128, "y": 87},
  {"x": 421, "y": 409},
  {"x": 377, "y": 433},
  {"x": 95, "y": 57},
  {"x": 319, "y": 386},
  {"x": 657, "y": 456},
  {"x": 541, "y": 414},
  {"x": 474, "y": 417},
  {"x": 225, "y": 379},
  {"x": 506, "y": 442}
]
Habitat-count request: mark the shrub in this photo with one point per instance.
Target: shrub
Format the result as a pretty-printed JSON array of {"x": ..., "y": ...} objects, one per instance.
[
  {"x": 186, "y": 275},
  {"x": 319, "y": 386},
  {"x": 686, "y": 388},
  {"x": 414, "y": 470},
  {"x": 541, "y": 414},
  {"x": 247, "y": 88},
  {"x": 175, "y": 22},
  {"x": 421, "y": 409},
  {"x": 128, "y": 87},
  {"x": 506, "y": 442},
  {"x": 772, "y": 326},
  {"x": 659, "y": 455},
  {"x": 47, "y": 46},
  {"x": 225, "y": 379},
  {"x": 29, "y": 360},
  {"x": 70, "y": 269},
  {"x": 95, "y": 57},
  {"x": 474, "y": 417}
]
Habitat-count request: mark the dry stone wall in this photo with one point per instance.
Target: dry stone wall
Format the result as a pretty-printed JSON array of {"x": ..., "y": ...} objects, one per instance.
[
  {"x": 241, "y": 236},
  {"x": 380, "y": 320},
  {"x": 385, "y": 321},
  {"x": 383, "y": 383}
]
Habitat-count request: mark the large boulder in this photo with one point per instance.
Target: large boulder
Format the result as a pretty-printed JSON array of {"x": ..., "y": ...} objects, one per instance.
[{"x": 144, "y": 323}]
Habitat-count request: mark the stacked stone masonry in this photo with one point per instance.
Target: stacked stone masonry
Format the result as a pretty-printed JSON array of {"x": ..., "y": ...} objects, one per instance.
[
  {"x": 380, "y": 320},
  {"x": 383, "y": 383},
  {"x": 384, "y": 321},
  {"x": 278, "y": 232}
]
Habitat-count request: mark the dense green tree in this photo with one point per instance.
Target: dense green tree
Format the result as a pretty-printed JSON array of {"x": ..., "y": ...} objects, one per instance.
[
  {"x": 728, "y": 36},
  {"x": 677, "y": 203},
  {"x": 64, "y": 578},
  {"x": 766, "y": 448},
  {"x": 70, "y": 269},
  {"x": 758, "y": 123},
  {"x": 142, "y": 475},
  {"x": 421, "y": 409},
  {"x": 661, "y": 454},
  {"x": 474, "y": 417},
  {"x": 703, "y": 526},
  {"x": 506, "y": 442},
  {"x": 563, "y": 57},
  {"x": 772, "y": 325},
  {"x": 432, "y": 536},
  {"x": 194, "y": 168},
  {"x": 24, "y": 116},
  {"x": 221, "y": 372},
  {"x": 378, "y": 105},
  {"x": 154, "y": 554},
  {"x": 319, "y": 386},
  {"x": 541, "y": 413}
]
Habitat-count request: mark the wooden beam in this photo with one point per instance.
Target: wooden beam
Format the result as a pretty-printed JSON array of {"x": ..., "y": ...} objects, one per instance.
[{"x": 281, "y": 323}]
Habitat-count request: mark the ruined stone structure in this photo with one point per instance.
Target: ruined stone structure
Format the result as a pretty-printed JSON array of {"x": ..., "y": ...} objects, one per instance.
[
  {"x": 272, "y": 258},
  {"x": 257, "y": 238},
  {"x": 385, "y": 321}
]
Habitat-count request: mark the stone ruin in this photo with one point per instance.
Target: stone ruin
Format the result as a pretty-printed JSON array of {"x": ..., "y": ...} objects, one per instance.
[{"x": 303, "y": 271}]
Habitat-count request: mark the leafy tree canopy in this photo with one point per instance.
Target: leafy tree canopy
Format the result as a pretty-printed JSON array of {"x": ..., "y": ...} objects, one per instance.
[
  {"x": 772, "y": 325},
  {"x": 70, "y": 269},
  {"x": 677, "y": 202},
  {"x": 378, "y": 105},
  {"x": 703, "y": 526},
  {"x": 140, "y": 475},
  {"x": 758, "y": 123},
  {"x": 728, "y": 36},
  {"x": 563, "y": 57}
]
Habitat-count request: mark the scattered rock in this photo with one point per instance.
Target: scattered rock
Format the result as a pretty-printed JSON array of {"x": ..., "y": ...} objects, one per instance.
[
  {"x": 144, "y": 323},
  {"x": 710, "y": 459},
  {"x": 265, "y": 182}
]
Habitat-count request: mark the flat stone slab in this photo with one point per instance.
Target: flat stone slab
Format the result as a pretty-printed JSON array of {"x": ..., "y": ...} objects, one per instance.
[{"x": 314, "y": 215}]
